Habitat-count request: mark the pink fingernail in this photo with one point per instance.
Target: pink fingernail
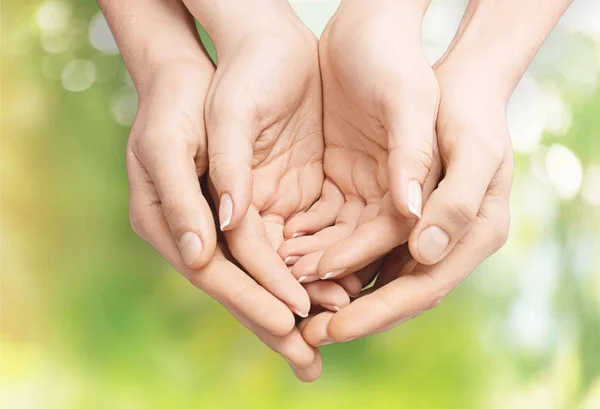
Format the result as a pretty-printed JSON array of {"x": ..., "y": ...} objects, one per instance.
[
  {"x": 225, "y": 210},
  {"x": 291, "y": 260},
  {"x": 433, "y": 243},
  {"x": 298, "y": 313},
  {"x": 333, "y": 273},
  {"x": 414, "y": 198},
  {"x": 298, "y": 234},
  {"x": 331, "y": 307},
  {"x": 190, "y": 247},
  {"x": 308, "y": 279}
]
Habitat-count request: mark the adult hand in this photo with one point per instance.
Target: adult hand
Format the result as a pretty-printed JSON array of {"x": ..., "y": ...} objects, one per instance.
[
  {"x": 466, "y": 218},
  {"x": 167, "y": 144},
  {"x": 380, "y": 104},
  {"x": 265, "y": 140},
  {"x": 166, "y": 156}
]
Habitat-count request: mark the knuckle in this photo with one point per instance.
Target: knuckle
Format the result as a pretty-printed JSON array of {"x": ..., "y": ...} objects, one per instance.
[
  {"x": 421, "y": 156},
  {"x": 461, "y": 211},
  {"x": 174, "y": 211}
]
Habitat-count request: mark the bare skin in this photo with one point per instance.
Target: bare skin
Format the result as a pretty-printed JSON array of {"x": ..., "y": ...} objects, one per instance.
[
  {"x": 380, "y": 147},
  {"x": 469, "y": 210}
]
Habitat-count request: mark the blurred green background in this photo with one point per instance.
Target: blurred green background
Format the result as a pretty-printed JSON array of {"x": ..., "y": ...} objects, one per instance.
[{"x": 93, "y": 318}]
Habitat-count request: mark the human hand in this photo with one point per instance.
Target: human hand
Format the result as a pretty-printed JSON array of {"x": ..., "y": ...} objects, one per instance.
[
  {"x": 265, "y": 140},
  {"x": 380, "y": 103},
  {"x": 166, "y": 157},
  {"x": 471, "y": 205}
]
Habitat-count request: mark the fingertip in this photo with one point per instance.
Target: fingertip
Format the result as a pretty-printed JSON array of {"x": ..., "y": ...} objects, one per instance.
[
  {"x": 278, "y": 319},
  {"x": 338, "y": 330},
  {"x": 196, "y": 253},
  {"x": 407, "y": 198},
  {"x": 429, "y": 245},
  {"x": 225, "y": 211},
  {"x": 352, "y": 284},
  {"x": 310, "y": 373}
]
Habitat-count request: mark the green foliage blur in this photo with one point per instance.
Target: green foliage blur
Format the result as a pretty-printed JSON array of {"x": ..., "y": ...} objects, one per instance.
[{"x": 92, "y": 317}]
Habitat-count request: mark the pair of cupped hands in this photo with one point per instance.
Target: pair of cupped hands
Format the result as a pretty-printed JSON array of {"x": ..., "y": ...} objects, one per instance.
[{"x": 324, "y": 166}]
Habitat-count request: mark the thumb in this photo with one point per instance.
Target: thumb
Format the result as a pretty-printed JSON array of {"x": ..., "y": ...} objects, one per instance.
[
  {"x": 174, "y": 176},
  {"x": 410, "y": 159},
  {"x": 230, "y": 151}
]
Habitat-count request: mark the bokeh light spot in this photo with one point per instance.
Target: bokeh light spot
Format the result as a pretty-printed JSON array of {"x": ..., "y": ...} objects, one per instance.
[
  {"x": 124, "y": 107},
  {"x": 564, "y": 171},
  {"x": 78, "y": 75},
  {"x": 591, "y": 186},
  {"x": 100, "y": 36},
  {"x": 53, "y": 15}
]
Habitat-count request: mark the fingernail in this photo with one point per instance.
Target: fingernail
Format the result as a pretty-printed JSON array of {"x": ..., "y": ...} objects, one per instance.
[
  {"x": 351, "y": 339},
  {"x": 325, "y": 342},
  {"x": 414, "y": 198},
  {"x": 433, "y": 243},
  {"x": 190, "y": 247},
  {"x": 225, "y": 210},
  {"x": 291, "y": 260},
  {"x": 333, "y": 273},
  {"x": 298, "y": 234},
  {"x": 355, "y": 295},
  {"x": 331, "y": 307},
  {"x": 298, "y": 313},
  {"x": 308, "y": 279}
]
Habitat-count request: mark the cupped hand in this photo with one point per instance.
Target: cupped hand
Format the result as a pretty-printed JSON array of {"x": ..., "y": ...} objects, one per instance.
[
  {"x": 466, "y": 217},
  {"x": 265, "y": 138},
  {"x": 380, "y": 104}
]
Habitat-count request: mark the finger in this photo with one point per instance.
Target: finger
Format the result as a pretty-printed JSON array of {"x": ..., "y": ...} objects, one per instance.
[
  {"x": 230, "y": 151},
  {"x": 455, "y": 204},
  {"x": 410, "y": 144},
  {"x": 293, "y": 249},
  {"x": 305, "y": 270},
  {"x": 305, "y": 267},
  {"x": 347, "y": 220},
  {"x": 220, "y": 279},
  {"x": 313, "y": 372},
  {"x": 370, "y": 241},
  {"x": 172, "y": 171},
  {"x": 314, "y": 329},
  {"x": 351, "y": 283},
  {"x": 327, "y": 294},
  {"x": 320, "y": 215},
  {"x": 250, "y": 247},
  {"x": 423, "y": 289}
]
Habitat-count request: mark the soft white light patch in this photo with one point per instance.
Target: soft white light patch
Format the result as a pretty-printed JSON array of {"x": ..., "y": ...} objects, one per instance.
[
  {"x": 124, "y": 107},
  {"x": 100, "y": 36},
  {"x": 78, "y": 75},
  {"x": 564, "y": 171},
  {"x": 53, "y": 15},
  {"x": 526, "y": 115},
  {"x": 591, "y": 186}
]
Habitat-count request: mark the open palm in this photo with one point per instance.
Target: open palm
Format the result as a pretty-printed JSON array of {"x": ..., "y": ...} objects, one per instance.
[{"x": 379, "y": 116}]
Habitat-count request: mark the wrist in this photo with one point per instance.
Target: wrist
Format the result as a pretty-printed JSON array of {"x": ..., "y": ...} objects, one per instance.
[
  {"x": 197, "y": 66},
  {"x": 497, "y": 41},
  {"x": 228, "y": 23}
]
